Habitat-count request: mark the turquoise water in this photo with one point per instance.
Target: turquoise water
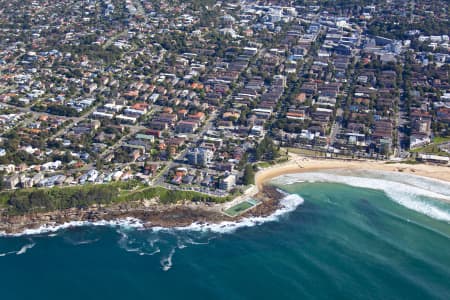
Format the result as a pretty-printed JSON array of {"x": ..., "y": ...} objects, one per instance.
[{"x": 343, "y": 242}]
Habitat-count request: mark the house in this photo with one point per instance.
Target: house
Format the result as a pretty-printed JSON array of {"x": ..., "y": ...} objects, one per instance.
[
  {"x": 51, "y": 165},
  {"x": 37, "y": 178},
  {"x": 200, "y": 116},
  {"x": 141, "y": 107},
  {"x": 300, "y": 98},
  {"x": 148, "y": 137},
  {"x": 296, "y": 114},
  {"x": 257, "y": 130},
  {"x": 262, "y": 112},
  {"x": 126, "y": 119},
  {"x": 12, "y": 181},
  {"x": 228, "y": 182},
  {"x": 102, "y": 115},
  {"x": 157, "y": 126},
  {"x": 418, "y": 140},
  {"x": 7, "y": 168},
  {"x": 151, "y": 169},
  {"x": 178, "y": 176},
  {"x": 135, "y": 112},
  {"x": 186, "y": 127}
]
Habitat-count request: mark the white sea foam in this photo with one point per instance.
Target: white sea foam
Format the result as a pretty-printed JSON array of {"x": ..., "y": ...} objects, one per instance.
[
  {"x": 7, "y": 253},
  {"x": 408, "y": 190},
  {"x": 84, "y": 242},
  {"x": 181, "y": 245},
  {"x": 49, "y": 228},
  {"x": 151, "y": 253},
  {"x": 192, "y": 242},
  {"x": 166, "y": 262},
  {"x": 188, "y": 235},
  {"x": 152, "y": 241},
  {"x": 288, "y": 204},
  {"x": 25, "y": 248},
  {"x": 125, "y": 243}
]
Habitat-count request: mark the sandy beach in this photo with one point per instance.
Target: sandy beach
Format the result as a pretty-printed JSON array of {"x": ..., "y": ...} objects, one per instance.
[
  {"x": 183, "y": 214},
  {"x": 299, "y": 164}
]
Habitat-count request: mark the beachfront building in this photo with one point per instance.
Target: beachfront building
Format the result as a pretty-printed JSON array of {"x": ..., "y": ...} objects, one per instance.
[
  {"x": 228, "y": 182},
  {"x": 437, "y": 159}
]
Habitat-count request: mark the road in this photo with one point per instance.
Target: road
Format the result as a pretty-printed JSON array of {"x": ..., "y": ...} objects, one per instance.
[{"x": 334, "y": 130}]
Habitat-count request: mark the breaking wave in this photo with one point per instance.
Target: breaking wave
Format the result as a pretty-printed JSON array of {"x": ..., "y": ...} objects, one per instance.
[
  {"x": 8, "y": 253},
  {"x": 51, "y": 229},
  {"x": 288, "y": 204},
  {"x": 413, "y": 192},
  {"x": 165, "y": 241},
  {"x": 166, "y": 262},
  {"x": 25, "y": 248},
  {"x": 84, "y": 242}
]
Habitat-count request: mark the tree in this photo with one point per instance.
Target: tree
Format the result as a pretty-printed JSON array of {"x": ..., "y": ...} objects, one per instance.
[
  {"x": 249, "y": 175},
  {"x": 266, "y": 149}
]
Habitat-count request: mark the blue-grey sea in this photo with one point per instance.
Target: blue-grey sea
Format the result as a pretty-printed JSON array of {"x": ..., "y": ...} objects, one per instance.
[{"x": 340, "y": 235}]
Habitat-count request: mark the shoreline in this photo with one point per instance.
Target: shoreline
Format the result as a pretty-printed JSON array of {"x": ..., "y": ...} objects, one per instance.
[
  {"x": 147, "y": 213},
  {"x": 301, "y": 164},
  {"x": 151, "y": 214}
]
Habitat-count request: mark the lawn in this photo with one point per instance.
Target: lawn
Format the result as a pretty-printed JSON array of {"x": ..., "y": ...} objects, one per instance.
[
  {"x": 431, "y": 148},
  {"x": 22, "y": 201},
  {"x": 263, "y": 164},
  {"x": 440, "y": 139}
]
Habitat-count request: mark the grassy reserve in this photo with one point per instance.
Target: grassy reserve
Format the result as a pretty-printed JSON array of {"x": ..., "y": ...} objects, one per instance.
[
  {"x": 24, "y": 201},
  {"x": 433, "y": 148}
]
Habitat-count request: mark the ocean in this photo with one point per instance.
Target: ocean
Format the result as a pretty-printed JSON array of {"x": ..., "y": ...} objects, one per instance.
[{"x": 340, "y": 235}]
